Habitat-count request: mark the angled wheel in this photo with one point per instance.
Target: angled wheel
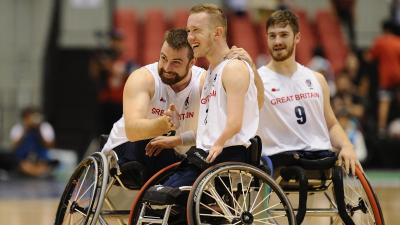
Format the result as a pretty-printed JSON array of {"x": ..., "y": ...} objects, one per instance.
[
  {"x": 83, "y": 196},
  {"x": 138, "y": 205},
  {"x": 237, "y": 193},
  {"x": 360, "y": 201}
]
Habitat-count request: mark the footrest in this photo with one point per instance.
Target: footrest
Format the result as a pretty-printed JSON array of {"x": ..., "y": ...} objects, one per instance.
[{"x": 161, "y": 195}]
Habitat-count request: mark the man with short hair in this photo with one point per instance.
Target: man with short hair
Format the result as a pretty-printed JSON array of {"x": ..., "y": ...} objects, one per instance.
[
  {"x": 297, "y": 114},
  {"x": 158, "y": 98},
  {"x": 228, "y": 112}
]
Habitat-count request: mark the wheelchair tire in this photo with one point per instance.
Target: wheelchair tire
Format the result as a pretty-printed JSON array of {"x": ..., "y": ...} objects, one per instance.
[
  {"x": 155, "y": 179},
  {"x": 361, "y": 203},
  {"x": 83, "y": 196},
  {"x": 256, "y": 203}
]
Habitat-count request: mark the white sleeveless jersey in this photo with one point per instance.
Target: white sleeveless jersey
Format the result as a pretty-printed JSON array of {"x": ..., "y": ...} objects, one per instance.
[
  {"x": 292, "y": 117},
  {"x": 213, "y": 111},
  {"x": 186, "y": 102}
]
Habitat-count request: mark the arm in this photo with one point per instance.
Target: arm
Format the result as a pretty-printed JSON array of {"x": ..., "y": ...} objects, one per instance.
[
  {"x": 16, "y": 135},
  {"x": 240, "y": 53},
  {"x": 260, "y": 88},
  {"x": 47, "y": 134},
  {"x": 187, "y": 138},
  {"x": 138, "y": 91},
  {"x": 337, "y": 135},
  {"x": 236, "y": 80}
]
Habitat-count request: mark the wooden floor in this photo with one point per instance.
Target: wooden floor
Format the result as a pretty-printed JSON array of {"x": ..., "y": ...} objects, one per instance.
[
  {"x": 42, "y": 211},
  {"x": 22, "y": 208}
]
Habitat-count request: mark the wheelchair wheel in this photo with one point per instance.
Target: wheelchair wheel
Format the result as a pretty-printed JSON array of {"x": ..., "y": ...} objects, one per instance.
[
  {"x": 138, "y": 204},
  {"x": 237, "y": 193},
  {"x": 83, "y": 196},
  {"x": 360, "y": 201}
]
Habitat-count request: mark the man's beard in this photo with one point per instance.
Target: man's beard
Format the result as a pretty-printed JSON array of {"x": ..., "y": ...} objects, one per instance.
[
  {"x": 174, "y": 79},
  {"x": 283, "y": 57}
]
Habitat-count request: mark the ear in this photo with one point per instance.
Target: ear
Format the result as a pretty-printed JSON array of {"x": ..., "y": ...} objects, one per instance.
[
  {"x": 219, "y": 32},
  {"x": 297, "y": 38}
]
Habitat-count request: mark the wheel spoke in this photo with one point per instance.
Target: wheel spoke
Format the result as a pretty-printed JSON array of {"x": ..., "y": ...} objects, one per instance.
[
  {"x": 265, "y": 198},
  {"x": 90, "y": 187},
  {"x": 83, "y": 181},
  {"x": 236, "y": 212},
  {"x": 255, "y": 214},
  {"x": 255, "y": 200},
  {"x": 241, "y": 180},
  {"x": 247, "y": 191},
  {"x": 231, "y": 193}
]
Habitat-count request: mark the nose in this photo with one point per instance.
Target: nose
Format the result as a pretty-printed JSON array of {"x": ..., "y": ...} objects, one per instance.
[
  {"x": 278, "y": 40},
  {"x": 167, "y": 67}
]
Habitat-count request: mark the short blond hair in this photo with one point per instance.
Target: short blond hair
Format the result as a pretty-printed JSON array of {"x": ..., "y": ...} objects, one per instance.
[{"x": 216, "y": 14}]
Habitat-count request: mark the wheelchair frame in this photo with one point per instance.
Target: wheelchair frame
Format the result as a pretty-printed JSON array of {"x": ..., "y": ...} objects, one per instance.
[
  {"x": 108, "y": 170},
  {"x": 106, "y": 174}
]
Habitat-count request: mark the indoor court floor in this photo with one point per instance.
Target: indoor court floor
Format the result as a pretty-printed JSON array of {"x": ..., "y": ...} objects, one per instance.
[{"x": 31, "y": 201}]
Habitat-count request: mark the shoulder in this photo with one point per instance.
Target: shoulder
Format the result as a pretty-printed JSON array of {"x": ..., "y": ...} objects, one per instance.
[
  {"x": 233, "y": 64},
  {"x": 322, "y": 81},
  {"x": 235, "y": 68},
  {"x": 46, "y": 127},
  {"x": 17, "y": 128},
  {"x": 321, "y": 78},
  {"x": 141, "y": 76},
  {"x": 197, "y": 70}
]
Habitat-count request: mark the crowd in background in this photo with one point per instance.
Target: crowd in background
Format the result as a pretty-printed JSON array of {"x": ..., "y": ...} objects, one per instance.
[{"x": 365, "y": 93}]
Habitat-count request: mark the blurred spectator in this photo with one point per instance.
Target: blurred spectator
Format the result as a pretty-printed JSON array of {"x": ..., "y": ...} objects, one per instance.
[
  {"x": 345, "y": 10},
  {"x": 395, "y": 15},
  {"x": 30, "y": 140},
  {"x": 394, "y": 129},
  {"x": 353, "y": 132},
  {"x": 394, "y": 116},
  {"x": 386, "y": 51},
  {"x": 237, "y": 7},
  {"x": 346, "y": 98},
  {"x": 110, "y": 71},
  {"x": 322, "y": 65},
  {"x": 358, "y": 74}
]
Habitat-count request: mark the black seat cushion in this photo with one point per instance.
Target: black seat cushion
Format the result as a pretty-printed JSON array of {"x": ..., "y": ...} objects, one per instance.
[{"x": 162, "y": 195}]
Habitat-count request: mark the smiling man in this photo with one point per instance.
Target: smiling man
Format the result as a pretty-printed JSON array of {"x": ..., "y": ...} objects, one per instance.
[
  {"x": 228, "y": 111},
  {"x": 158, "y": 98},
  {"x": 297, "y": 114}
]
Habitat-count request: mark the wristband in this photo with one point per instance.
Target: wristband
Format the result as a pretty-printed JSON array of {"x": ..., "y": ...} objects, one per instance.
[{"x": 188, "y": 138}]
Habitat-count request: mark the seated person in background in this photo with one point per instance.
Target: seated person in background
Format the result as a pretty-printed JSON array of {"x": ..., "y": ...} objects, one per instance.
[
  {"x": 297, "y": 114},
  {"x": 351, "y": 127},
  {"x": 30, "y": 141}
]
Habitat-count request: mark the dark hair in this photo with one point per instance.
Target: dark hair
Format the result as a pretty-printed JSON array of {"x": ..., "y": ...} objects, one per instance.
[
  {"x": 388, "y": 25},
  {"x": 177, "y": 39},
  {"x": 216, "y": 14},
  {"x": 29, "y": 111},
  {"x": 283, "y": 18}
]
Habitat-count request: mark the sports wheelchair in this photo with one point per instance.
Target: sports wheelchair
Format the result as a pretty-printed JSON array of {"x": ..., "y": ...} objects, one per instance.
[
  {"x": 226, "y": 193},
  {"x": 346, "y": 199},
  {"x": 90, "y": 186},
  {"x": 237, "y": 193}
]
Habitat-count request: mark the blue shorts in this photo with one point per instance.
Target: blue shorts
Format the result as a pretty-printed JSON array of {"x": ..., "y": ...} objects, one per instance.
[
  {"x": 187, "y": 173},
  {"x": 135, "y": 151}
]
